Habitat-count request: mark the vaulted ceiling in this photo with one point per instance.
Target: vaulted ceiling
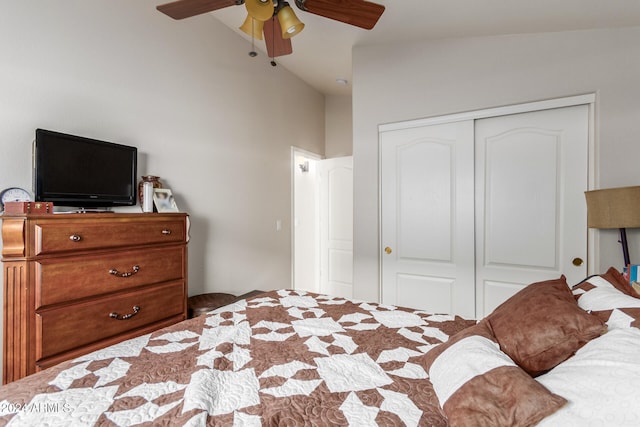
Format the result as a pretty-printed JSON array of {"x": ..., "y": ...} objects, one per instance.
[{"x": 322, "y": 52}]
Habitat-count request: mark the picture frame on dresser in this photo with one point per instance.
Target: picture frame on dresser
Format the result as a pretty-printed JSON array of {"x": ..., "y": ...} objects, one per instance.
[{"x": 164, "y": 201}]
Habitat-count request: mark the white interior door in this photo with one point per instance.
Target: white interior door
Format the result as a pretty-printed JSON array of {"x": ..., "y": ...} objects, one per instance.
[
  {"x": 531, "y": 173},
  {"x": 335, "y": 177},
  {"x": 427, "y": 218}
]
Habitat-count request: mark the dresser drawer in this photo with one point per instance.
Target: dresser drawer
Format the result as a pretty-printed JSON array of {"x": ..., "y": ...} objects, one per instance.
[
  {"x": 72, "y": 326},
  {"x": 56, "y": 237},
  {"x": 64, "y": 279}
]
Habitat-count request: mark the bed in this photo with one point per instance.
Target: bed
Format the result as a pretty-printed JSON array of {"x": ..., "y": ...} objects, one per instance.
[{"x": 296, "y": 358}]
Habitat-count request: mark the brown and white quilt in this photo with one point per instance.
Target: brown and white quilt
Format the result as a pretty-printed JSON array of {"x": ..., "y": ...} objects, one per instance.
[{"x": 281, "y": 358}]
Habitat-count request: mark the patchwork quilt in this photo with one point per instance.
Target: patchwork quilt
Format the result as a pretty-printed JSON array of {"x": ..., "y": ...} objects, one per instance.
[{"x": 281, "y": 358}]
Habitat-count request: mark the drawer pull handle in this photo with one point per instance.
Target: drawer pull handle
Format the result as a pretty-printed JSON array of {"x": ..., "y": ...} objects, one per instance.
[
  {"x": 166, "y": 232},
  {"x": 75, "y": 238},
  {"x": 117, "y": 316},
  {"x": 133, "y": 271}
]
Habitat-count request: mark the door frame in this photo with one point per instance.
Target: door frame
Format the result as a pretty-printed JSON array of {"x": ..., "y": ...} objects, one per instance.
[{"x": 585, "y": 99}]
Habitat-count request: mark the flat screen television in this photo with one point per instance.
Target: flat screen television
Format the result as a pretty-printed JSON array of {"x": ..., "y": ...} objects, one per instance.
[{"x": 81, "y": 172}]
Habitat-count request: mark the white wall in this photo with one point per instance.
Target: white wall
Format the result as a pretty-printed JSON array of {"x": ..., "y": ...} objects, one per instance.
[
  {"x": 213, "y": 123},
  {"x": 338, "y": 126},
  {"x": 423, "y": 79}
]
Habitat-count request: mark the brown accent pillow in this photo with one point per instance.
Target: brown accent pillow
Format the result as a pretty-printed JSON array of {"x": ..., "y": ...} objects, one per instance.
[
  {"x": 616, "y": 278},
  {"x": 542, "y": 325},
  {"x": 505, "y": 396},
  {"x": 477, "y": 384}
]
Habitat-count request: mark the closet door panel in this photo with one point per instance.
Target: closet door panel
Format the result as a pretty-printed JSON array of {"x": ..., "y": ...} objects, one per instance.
[
  {"x": 531, "y": 174},
  {"x": 425, "y": 200},
  {"x": 427, "y": 218},
  {"x": 521, "y": 198}
]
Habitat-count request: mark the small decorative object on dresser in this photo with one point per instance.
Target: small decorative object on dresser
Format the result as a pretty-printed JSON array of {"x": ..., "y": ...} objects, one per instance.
[
  {"x": 147, "y": 201},
  {"x": 164, "y": 201},
  {"x": 155, "y": 182},
  {"x": 79, "y": 282},
  {"x": 14, "y": 194},
  {"x": 28, "y": 207}
]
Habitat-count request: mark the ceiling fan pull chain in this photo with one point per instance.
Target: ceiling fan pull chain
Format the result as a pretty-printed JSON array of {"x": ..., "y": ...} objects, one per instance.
[
  {"x": 273, "y": 43},
  {"x": 253, "y": 52}
]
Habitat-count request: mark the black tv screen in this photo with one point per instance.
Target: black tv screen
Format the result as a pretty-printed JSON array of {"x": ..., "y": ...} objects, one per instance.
[{"x": 82, "y": 172}]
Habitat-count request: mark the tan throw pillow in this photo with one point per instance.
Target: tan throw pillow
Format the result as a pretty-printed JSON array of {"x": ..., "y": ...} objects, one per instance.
[
  {"x": 542, "y": 325},
  {"x": 478, "y": 385}
]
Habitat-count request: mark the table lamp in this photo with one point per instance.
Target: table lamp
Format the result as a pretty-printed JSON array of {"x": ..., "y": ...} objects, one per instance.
[{"x": 615, "y": 208}]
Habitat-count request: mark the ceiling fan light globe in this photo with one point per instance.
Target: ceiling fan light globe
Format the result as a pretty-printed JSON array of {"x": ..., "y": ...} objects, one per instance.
[
  {"x": 252, "y": 27},
  {"x": 289, "y": 22},
  {"x": 259, "y": 10}
]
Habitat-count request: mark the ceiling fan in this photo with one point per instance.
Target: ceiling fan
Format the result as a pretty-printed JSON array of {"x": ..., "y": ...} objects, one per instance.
[{"x": 275, "y": 19}]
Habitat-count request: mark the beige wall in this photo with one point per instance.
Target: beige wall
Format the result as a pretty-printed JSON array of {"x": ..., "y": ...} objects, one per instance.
[
  {"x": 338, "y": 126},
  {"x": 211, "y": 121},
  {"x": 414, "y": 80}
]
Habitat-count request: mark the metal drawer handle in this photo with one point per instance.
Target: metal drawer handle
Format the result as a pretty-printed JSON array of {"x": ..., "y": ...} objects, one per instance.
[
  {"x": 133, "y": 271},
  {"x": 75, "y": 238},
  {"x": 117, "y": 316},
  {"x": 166, "y": 232}
]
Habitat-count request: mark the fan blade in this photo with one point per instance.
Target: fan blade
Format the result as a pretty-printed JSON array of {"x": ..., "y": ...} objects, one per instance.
[
  {"x": 187, "y": 8},
  {"x": 359, "y": 13},
  {"x": 276, "y": 44}
]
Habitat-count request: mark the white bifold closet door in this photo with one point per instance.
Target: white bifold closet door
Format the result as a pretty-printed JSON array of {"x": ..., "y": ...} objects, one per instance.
[
  {"x": 474, "y": 210},
  {"x": 427, "y": 198}
]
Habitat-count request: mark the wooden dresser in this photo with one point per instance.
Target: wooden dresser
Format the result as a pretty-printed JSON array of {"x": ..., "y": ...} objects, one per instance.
[{"x": 74, "y": 283}]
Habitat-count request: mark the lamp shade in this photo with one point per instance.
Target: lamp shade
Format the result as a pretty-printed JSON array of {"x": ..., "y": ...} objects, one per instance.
[
  {"x": 260, "y": 9},
  {"x": 289, "y": 22},
  {"x": 252, "y": 27},
  {"x": 613, "y": 207}
]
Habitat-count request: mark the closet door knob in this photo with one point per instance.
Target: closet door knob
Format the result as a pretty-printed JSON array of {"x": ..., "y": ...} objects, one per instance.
[
  {"x": 387, "y": 250},
  {"x": 577, "y": 261}
]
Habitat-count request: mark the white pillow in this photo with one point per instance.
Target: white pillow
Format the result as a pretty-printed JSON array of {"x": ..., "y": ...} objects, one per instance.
[
  {"x": 603, "y": 298},
  {"x": 463, "y": 361},
  {"x": 601, "y": 382}
]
